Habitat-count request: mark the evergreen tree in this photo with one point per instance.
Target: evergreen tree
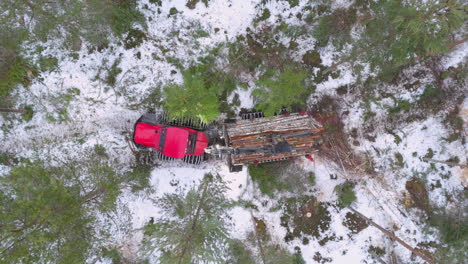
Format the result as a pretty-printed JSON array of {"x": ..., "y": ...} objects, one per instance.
[
  {"x": 42, "y": 219},
  {"x": 396, "y": 32},
  {"x": 285, "y": 89},
  {"x": 47, "y": 213},
  {"x": 192, "y": 228},
  {"x": 70, "y": 20},
  {"x": 192, "y": 99},
  {"x": 239, "y": 253}
]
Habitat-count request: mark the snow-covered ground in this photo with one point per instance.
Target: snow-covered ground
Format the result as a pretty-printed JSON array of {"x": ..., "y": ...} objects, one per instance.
[{"x": 99, "y": 114}]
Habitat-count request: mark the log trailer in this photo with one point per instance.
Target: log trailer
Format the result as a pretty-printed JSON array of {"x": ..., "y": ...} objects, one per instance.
[{"x": 250, "y": 139}]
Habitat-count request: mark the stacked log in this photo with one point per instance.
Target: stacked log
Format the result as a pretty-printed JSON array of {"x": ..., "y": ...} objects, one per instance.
[{"x": 273, "y": 138}]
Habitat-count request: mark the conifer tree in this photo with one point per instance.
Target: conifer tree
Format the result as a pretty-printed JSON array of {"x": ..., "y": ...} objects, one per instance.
[
  {"x": 192, "y": 99},
  {"x": 42, "y": 219},
  {"x": 283, "y": 90},
  {"x": 47, "y": 213},
  {"x": 92, "y": 20},
  {"x": 192, "y": 228},
  {"x": 398, "y": 32}
]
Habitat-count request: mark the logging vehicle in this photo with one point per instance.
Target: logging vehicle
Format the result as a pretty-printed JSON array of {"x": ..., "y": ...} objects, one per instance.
[{"x": 251, "y": 138}]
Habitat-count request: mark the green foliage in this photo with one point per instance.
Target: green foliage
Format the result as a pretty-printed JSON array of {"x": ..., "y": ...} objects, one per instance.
[
  {"x": 262, "y": 48},
  {"x": 42, "y": 219},
  {"x": 275, "y": 254},
  {"x": 112, "y": 73},
  {"x": 268, "y": 177},
  {"x": 345, "y": 193},
  {"x": 70, "y": 20},
  {"x": 28, "y": 115},
  {"x": 285, "y": 89},
  {"x": 48, "y": 63},
  {"x": 239, "y": 253},
  {"x": 311, "y": 178},
  {"x": 265, "y": 15},
  {"x": 173, "y": 11},
  {"x": 192, "y": 99},
  {"x": 203, "y": 94},
  {"x": 152, "y": 99},
  {"x": 453, "y": 230},
  {"x": 293, "y": 3},
  {"x": 134, "y": 38},
  {"x": 113, "y": 254},
  {"x": 193, "y": 3},
  {"x": 139, "y": 177},
  {"x": 335, "y": 27},
  {"x": 399, "y": 160},
  {"x": 403, "y": 105},
  {"x": 298, "y": 259},
  {"x": 399, "y": 31},
  {"x": 431, "y": 99},
  {"x": 312, "y": 58},
  {"x": 14, "y": 70},
  {"x": 123, "y": 15},
  {"x": 192, "y": 227}
]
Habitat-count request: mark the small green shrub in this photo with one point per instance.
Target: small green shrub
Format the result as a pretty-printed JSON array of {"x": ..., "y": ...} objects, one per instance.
[
  {"x": 191, "y": 4},
  {"x": 173, "y": 11},
  {"x": 336, "y": 27},
  {"x": 113, "y": 254},
  {"x": 429, "y": 154},
  {"x": 16, "y": 70},
  {"x": 403, "y": 105},
  {"x": 48, "y": 63},
  {"x": 311, "y": 178},
  {"x": 29, "y": 113},
  {"x": 204, "y": 93},
  {"x": 265, "y": 15},
  {"x": 453, "y": 231},
  {"x": 123, "y": 15},
  {"x": 134, "y": 39},
  {"x": 345, "y": 193},
  {"x": 399, "y": 160},
  {"x": 283, "y": 90},
  {"x": 297, "y": 258},
  {"x": 293, "y": 3},
  {"x": 152, "y": 100},
  {"x": 156, "y": 2},
  {"x": 192, "y": 99},
  {"x": 139, "y": 176},
  {"x": 377, "y": 251},
  {"x": 432, "y": 99},
  {"x": 100, "y": 151},
  {"x": 239, "y": 253},
  {"x": 267, "y": 176},
  {"x": 112, "y": 73},
  {"x": 312, "y": 58}
]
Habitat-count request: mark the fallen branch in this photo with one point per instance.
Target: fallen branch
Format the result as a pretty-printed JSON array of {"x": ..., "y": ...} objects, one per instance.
[
  {"x": 22, "y": 111},
  {"x": 394, "y": 237}
]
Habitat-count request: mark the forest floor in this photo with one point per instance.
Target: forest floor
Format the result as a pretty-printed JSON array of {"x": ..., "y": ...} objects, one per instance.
[{"x": 77, "y": 106}]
